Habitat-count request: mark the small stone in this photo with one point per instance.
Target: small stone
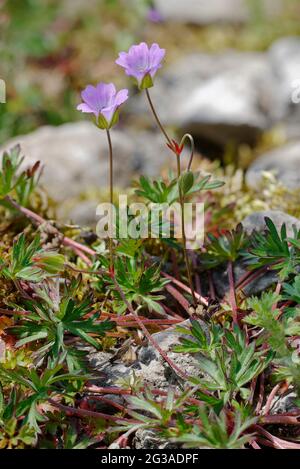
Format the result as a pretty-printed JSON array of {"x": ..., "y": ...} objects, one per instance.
[
  {"x": 256, "y": 221},
  {"x": 284, "y": 404},
  {"x": 283, "y": 162},
  {"x": 149, "y": 439}
]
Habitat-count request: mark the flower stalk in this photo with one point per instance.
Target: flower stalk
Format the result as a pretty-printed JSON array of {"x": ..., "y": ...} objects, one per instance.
[
  {"x": 111, "y": 197},
  {"x": 177, "y": 149},
  {"x": 185, "y": 252},
  {"x": 157, "y": 119}
]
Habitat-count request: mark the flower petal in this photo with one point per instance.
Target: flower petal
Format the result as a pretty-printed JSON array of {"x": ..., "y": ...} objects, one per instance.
[
  {"x": 156, "y": 55},
  {"x": 83, "y": 107},
  {"x": 89, "y": 96},
  {"x": 121, "y": 97},
  {"x": 108, "y": 112},
  {"x": 122, "y": 59}
]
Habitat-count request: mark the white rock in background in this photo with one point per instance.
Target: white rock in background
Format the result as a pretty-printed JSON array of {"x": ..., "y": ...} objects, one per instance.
[
  {"x": 75, "y": 157},
  {"x": 256, "y": 221},
  {"x": 284, "y": 58},
  {"x": 211, "y": 11},
  {"x": 219, "y": 97},
  {"x": 284, "y": 162}
]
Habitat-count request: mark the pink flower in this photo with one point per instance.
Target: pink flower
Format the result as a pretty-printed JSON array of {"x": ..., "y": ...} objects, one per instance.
[
  {"x": 142, "y": 63},
  {"x": 103, "y": 101}
]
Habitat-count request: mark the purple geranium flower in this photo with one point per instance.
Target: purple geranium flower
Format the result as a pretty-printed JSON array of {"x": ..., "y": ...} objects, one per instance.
[
  {"x": 103, "y": 101},
  {"x": 142, "y": 63},
  {"x": 154, "y": 15}
]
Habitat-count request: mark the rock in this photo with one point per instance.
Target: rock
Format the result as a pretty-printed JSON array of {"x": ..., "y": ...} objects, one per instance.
[
  {"x": 154, "y": 370},
  {"x": 284, "y": 404},
  {"x": 256, "y": 221},
  {"x": 150, "y": 367},
  {"x": 229, "y": 96},
  {"x": 107, "y": 371},
  {"x": 258, "y": 285},
  {"x": 213, "y": 11},
  {"x": 284, "y": 59},
  {"x": 149, "y": 439},
  {"x": 283, "y": 162},
  {"x": 83, "y": 213},
  {"x": 76, "y": 159}
]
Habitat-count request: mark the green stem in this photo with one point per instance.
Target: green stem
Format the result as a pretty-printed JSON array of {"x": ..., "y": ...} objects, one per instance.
[
  {"x": 186, "y": 257},
  {"x": 188, "y": 267},
  {"x": 111, "y": 196},
  {"x": 157, "y": 118},
  {"x": 232, "y": 297}
]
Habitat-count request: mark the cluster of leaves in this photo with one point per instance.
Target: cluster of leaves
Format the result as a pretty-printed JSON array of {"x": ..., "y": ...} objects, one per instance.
[
  {"x": 20, "y": 184},
  {"x": 160, "y": 192},
  {"x": 223, "y": 395},
  {"x": 225, "y": 248},
  {"x": 275, "y": 249},
  {"x": 28, "y": 261},
  {"x": 55, "y": 314},
  {"x": 51, "y": 319}
]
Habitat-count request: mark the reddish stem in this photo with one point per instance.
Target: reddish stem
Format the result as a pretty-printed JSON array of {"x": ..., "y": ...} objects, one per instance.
[
  {"x": 148, "y": 335},
  {"x": 184, "y": 287},
  {"x": 37, "y": 219},
  {"x": 261, "y": 394},
  {"x": 270, "y": 399},
  {"x": 232, "y": 298},
  {"x": 89, "y": 413}
]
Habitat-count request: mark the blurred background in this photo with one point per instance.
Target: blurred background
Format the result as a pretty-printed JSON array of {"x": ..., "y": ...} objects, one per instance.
[{"x": 231, "y": 77}]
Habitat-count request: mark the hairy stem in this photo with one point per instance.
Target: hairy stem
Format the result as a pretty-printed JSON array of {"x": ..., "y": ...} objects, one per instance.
[
  {"x": 38, "y": 220},
  {"x": 232, "y": 298},
  {"x": 186, "y": 257},
  {"x": 157, "y": 118},
  {"x": 111, "y": 197}
]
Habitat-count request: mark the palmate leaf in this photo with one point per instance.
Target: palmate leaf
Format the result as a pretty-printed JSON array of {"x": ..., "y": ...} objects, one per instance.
[
  {"x": 39, "y": 388},
  {"x": 16, "y": 183},
  {"x": 30, "y": 263},
  {"x": 48, "y": 323},
  {"x": 227, "y": 247},
  {"x": 160, "y": 192},
  {"x": 292, "y": 292},
  {"x": 204, "y": 184},
  {"x": 272, "y": 249},
  {"x": 11, "y": 162},
  {"x": 157, "y": 191},
  {"x": 229, "y": 364},
  {"x": 139, "y": 283},
  {"x": 202, "y": 340},
  {"x": 215, "y": 431},
  {"x": 264, "y": 316}
]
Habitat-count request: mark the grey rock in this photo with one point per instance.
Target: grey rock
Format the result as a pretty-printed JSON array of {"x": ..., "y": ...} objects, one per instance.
[
  {"x": 149, "y": 366},
  {"x": 260, "y": 284},
  {"x": 149, "y": 439},
  {"x": 284, "y": 59},
  {"x": 153, "y": 369},
  {"x": 83, "y": 213},
  {"x": 219, "y": 97},
  {"x": 76, "y": 157},
  {"x": 283, "y": 162},
  {"x": 284, "y": 404},
  {"x": 213, "y": 11},
  {"x": 256, "y": 221},
  {"x": 106, "y": 371}
]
